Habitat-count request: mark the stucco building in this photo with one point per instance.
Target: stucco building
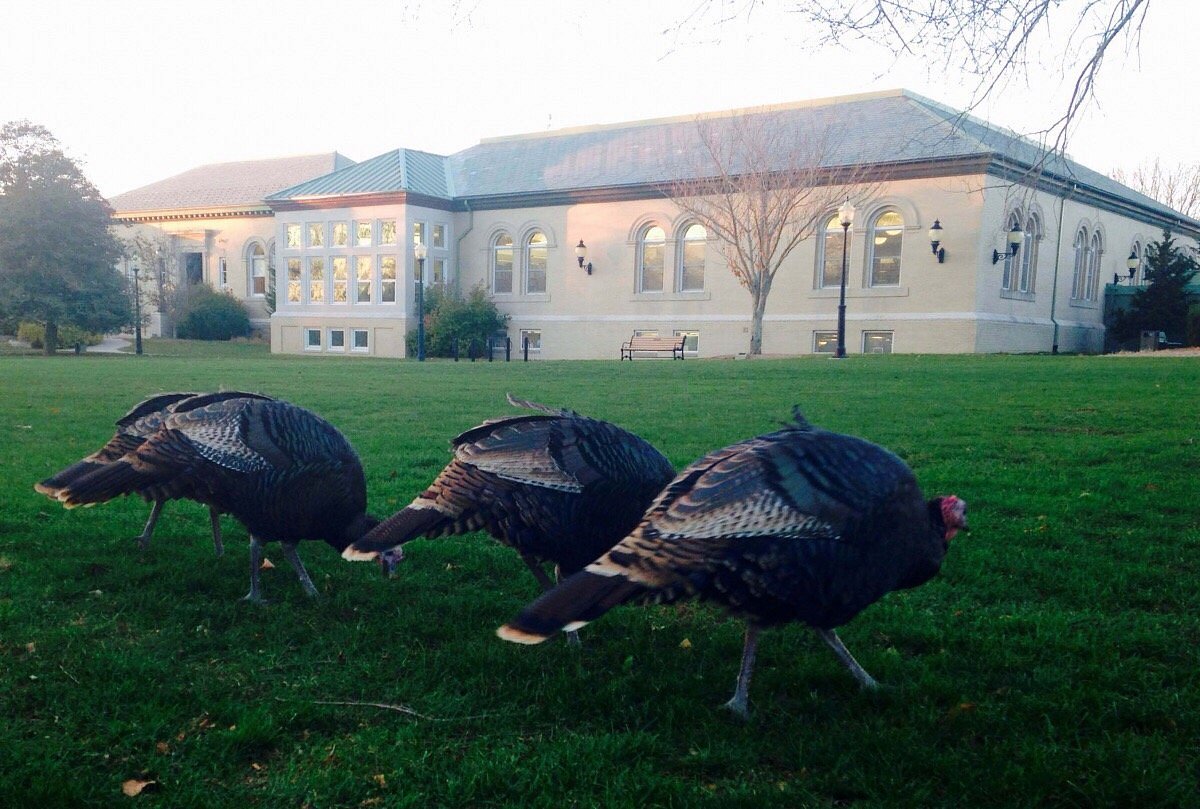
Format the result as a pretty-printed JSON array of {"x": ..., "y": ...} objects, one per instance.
[{"x": 210, "y": 224}]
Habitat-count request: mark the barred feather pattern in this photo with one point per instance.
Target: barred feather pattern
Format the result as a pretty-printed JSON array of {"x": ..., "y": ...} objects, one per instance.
[
  {"x": 284, "y": 472},
  {"x": 797, "y": 525},
  {"x": 556, "y": 486}
]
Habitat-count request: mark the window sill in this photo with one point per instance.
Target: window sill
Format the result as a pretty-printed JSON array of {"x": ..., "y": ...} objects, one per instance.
[
  {"x": 670, "y": 296},
  {"x": 861, "y": 292},
  {"x": 510, "y": 297},
  {"x": 1017, "y": 296},
  {"x": 1085, "y": 304}
]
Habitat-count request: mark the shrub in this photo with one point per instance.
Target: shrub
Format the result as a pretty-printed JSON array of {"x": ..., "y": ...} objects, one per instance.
[
  {"x": 450, "y": 316},
  {"x": 1193, "y": 325},
  {"x": 212, "y": 315},
  {"x": 68, "y": 336}
]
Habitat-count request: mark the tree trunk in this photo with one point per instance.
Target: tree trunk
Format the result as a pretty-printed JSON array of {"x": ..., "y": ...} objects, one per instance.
[
  {"x": 50, "y": 340},
  {"x": 758, "y": 305}
]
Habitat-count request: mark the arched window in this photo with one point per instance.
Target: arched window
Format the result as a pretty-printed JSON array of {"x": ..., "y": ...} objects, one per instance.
[
  {"x": 1008, "y": 278},
  {"x": 537, "y": 254},
  {"x": 652, "y": 248},
  {"x": 1029, "y": 254},
  {"x": 1080, "y": 268},
  {"x": 1095, "y": 253},
  {"x": 887, "y": 236},
  {"x": 829, "y": 253},
  {"x": 257, "y": 259},
  {"x": 1138, "y": 275},
  {"x": 502, "y": 264},
  {"x": 691, "y": 262}
]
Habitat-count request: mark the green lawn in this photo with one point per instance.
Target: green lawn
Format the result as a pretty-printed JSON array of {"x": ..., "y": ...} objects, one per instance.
[{"x": 1053, "y": 662}]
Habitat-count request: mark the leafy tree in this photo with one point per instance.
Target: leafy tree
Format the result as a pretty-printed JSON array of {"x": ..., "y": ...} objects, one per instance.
[
  {"x": 1163, "y": 304},
  {"x": 212, "y": 315},
  {"x": 450, "y": 316},
  {"x": 57, "y": 254}
]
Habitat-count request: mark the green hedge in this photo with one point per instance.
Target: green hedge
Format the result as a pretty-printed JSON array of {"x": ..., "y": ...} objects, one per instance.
[
  {"x": 68, "y": 336},
  {"x": 212, "y": 315}
]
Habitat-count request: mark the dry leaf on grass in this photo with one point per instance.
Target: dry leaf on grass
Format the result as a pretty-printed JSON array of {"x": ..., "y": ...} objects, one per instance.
[
  {"x": 134, "y": 786},
  {"x": 266, "y": 564}
]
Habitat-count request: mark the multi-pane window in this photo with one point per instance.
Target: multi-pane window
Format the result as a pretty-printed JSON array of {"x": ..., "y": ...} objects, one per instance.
[
  {"x": 502, "y": 265},
  {"x": 387, "y": 231},
  {"x": 316, "y": 234},
  {"x": 537, "y": 259},
  {"x": 651, "y": 254},
  {"x": 691, "y": 341},
  {"x": 439, "y": 236},
  {"x": 1029, "y": 254},
  {"x": 363, "y": 270},
  {"x": 223, "y": 271},
  {"x": 1095, "y": 252},
  {"x": 294, "y": 280},
  {"x": 341, "y": 234},
  {"x": 832, "y": 249},
  {"x": 877, "y": 342},
  {"x": 691, "y": 270},
  {"x": 887, "y": 236},
  {"x": 387, "y": 279},
  {"x": 825, "y": 342},
  {"x": 316, "y": 280},
  {"x": 1080, "y": 263},
  {"x": 337, "y": 339},
  {"x": 534, "y": 338},
  {"x": 1008, "y": 278},
  {"x": 362, "y": 234},
  {"x": 438, "y": 271},
  {"x": 418, "y": 233},
  {"x": 360, "y": 340},
  {"x": 312, "y": 339},
  {"x": 341, "y": 279},
  {"x": 258, "y": 270},
  {"x": 292, "y": 236}
]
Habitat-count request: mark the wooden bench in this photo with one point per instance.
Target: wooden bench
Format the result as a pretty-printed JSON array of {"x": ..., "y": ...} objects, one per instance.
[{"x": 657, "y": 345}]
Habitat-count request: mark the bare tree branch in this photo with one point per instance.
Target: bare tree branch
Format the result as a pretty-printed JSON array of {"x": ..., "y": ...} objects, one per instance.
[{"x": 1176, "y": 187}]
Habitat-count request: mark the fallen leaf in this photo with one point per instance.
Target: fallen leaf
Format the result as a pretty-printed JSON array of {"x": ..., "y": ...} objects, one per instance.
[
  {"x": 685, "y": 644},
  {"x": 134, "y": 786},
  {"x": 380, "y": 778},
  {"x": 5, "y": 564},
  {"x": 254, "y": 765},
  {"x": 31, "y": 647},
  {"x": 163, "y": 748},
  {"x": 266, "y": 564}
]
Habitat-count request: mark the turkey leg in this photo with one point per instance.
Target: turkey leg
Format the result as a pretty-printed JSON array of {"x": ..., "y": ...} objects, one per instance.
[{"x": 843, "y": 654}]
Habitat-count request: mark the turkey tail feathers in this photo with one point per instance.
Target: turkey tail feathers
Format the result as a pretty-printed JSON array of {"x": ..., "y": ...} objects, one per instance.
[
  {"x": 409, "y": 523},
  {"x": 578, "y": 600},
  {"x": 109, "y": 481},
  {"x": 54, "y": 484}
]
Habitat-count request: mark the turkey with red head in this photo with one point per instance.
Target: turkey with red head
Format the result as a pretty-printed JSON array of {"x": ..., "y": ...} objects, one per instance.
[
  {"x": 282, "y": 471},
  {"x": 141, "y": 422},
  {"x": 553, "y": 485},
  {"x": 801, "y": 525}
]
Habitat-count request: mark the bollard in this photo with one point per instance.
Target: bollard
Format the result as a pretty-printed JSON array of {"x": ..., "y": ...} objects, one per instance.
[
  {"x": 508, "y": 349},
  {"x": 454, "y": 349},
  {"x": 525, "y": 340},
  {"x": 491, "y": 350}
]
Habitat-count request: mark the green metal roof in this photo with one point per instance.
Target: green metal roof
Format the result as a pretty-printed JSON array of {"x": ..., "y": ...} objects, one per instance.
[{"x": 398, "y": 170}]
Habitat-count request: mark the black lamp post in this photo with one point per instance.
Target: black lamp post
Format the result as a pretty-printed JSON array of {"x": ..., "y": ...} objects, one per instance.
[
  {"x": 845, "y": 218},
  {"x": 420, "y": 251}
]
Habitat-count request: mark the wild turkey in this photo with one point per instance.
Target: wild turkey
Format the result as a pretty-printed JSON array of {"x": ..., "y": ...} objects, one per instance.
[
  {"x": 554, "y": 485},
  {"x": 283, "y": 472},
  {"x": 142, "y": 421},
  {"x": 801, "y": 524}
]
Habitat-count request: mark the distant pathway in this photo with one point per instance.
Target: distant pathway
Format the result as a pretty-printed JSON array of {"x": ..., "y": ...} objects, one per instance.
[{"x": 111, "y": 344}]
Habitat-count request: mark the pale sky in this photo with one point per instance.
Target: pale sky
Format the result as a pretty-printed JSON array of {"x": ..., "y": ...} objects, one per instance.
[{"x": 140, "y": 90}]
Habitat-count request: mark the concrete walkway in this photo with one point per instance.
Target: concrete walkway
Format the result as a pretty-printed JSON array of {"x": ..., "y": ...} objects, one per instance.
[{"x": 111, "y": 344}]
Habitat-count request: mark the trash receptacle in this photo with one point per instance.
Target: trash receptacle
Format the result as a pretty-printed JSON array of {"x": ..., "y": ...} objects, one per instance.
[{"x": 1149, "y": 341}]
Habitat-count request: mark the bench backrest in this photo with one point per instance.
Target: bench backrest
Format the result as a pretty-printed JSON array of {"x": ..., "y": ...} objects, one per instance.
[{"x": 656, "y": 343}]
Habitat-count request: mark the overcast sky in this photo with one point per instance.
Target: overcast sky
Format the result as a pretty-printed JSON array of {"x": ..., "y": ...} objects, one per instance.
[{"x": 141, "y": 90}]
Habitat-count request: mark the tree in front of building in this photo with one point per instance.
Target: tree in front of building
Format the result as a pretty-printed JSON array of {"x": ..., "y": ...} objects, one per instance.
[
  {"x": 57, "y": 253},
  {"x": 454, "y": 319},
  {"x": 760, "y": 189},
  {"x": 1162, "y": 305}
]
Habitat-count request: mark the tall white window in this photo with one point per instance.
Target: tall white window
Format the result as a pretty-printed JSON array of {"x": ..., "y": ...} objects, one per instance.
[
  {"x": 316, "y": 234},
  {"x": 1008, "y": 278},
  {"x": 439, "y": 236},
  {"x": 387, "y": 231},
  {"x": 651, "y": 253},
  {"x": 537, "y": 259},
  {"x": 316, "y": 280},
  {"x": 887, "y": 236},
  {"x": 258, "y": 270},
  {"x": 829, "y": 253},
  {"x": 362, "y": 234},
  {"x": 1079, "y": 273},
  {"x": 1095, "y": 253},
  {"x": 341, "y": 234},
  {"x": 437, "y": 275},
  {"x": 341, "y": 279},
  {"x": 418, "y": 233},
  {"x": 223, "y": 272},
  {"x": 363, "y": 271},
  {"x": 691, "y": 262},
  {"x": 1029, "y": 254},
  {"x": 292, "y": 236},
  {"x": 294, "y": 280},
  {"x": 387, "y": 279},
  {"x": 502, "y": 265}
]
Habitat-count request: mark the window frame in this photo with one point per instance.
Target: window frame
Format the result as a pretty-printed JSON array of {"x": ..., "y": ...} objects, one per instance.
[
  {"x": 252, "y": 261},
  {"x": 819, "y": 335},
  {"x": 309, "y": 331},
  {"x": 334, "y": 262},
  {"x": 296, "y": 284},
  {"x": 502, "y": 242},
  {"x": 527, "y": 254},
  {"x": 692, "y": 338},
  {"x": 288, "y": 229},
  {"x": 833, "y": 227},
  {"x": 363, "y": 349},
  {"x": 532, "y": 348},
  {"x": 891, "y": 340},
  {"x": 358, "y": 229},
  {"x": 643, "y": 241},
  {"x": 359, "y": 282},
  {"x": 681, "y": 253},
  {"x": 323, "y": 281},
  {"x": 329, "y": 333},
  {"x": 386, "y": 283},
  {"x": 314, "y": 234},
  {"x": 873, "y": 231},
  {"x": 1079, "y": 261}
]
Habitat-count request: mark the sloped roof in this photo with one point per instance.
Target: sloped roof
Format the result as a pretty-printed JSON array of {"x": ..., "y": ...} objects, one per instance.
[
  {"x": 888, "y": 128},
  {"x": 398, "y": 170},
  {"x": 244, "y": 183}
]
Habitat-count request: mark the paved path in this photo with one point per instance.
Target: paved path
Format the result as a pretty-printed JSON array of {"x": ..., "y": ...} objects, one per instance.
[{"x": 111, "y": 344}]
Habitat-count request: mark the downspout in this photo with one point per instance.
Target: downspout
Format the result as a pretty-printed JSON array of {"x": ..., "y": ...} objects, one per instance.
[
  {"x": 1062, "y": 204},
  {"x": 458, "y": 243}
]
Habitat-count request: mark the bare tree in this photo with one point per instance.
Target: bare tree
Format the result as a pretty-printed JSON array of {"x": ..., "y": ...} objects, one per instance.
[
  {"x": 1176, "y": 187},
  {"x": 761, "y": 188},
  {"x": 993, "y": 41}
]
